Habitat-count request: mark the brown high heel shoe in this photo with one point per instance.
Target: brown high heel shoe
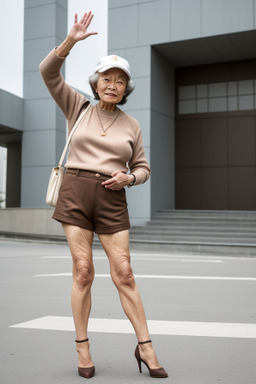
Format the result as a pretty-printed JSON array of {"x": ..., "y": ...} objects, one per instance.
[
  {"x": 157, "y": 373},
  {"x": 85, "y": 372}
]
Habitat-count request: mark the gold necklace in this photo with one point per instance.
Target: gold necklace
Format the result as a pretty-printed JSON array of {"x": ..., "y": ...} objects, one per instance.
[{"x": 104, "y": 130}]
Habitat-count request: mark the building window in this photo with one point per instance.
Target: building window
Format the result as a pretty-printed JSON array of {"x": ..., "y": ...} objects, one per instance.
[{"x": 217, "y": 97}]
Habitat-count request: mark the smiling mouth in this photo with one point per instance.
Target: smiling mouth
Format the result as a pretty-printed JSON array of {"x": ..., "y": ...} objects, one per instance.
[{"x": 110, "y": 94}]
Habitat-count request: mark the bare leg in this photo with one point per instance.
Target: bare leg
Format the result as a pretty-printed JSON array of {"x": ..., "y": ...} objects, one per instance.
[
  {"x": 116, "y": 247},
  {"x": 80, "y": 243}
]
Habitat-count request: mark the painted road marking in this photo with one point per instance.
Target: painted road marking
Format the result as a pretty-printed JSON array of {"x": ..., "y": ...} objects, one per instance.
[
  {"x": 138, "y": 257},
  {"x": 156, "y": 327},
  {"x": 54, "y": 274},
  {"x": 173, "y": 277}
]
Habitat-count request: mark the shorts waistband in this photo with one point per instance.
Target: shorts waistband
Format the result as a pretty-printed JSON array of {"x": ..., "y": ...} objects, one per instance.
[{"x": 84, "y": 173}]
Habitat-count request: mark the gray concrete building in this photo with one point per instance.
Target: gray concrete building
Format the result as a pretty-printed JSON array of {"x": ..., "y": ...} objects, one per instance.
[{"x": 194, "y": 65}]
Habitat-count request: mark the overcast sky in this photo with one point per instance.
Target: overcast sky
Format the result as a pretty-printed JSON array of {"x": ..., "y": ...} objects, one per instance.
[{"x": 80, "y": 62}]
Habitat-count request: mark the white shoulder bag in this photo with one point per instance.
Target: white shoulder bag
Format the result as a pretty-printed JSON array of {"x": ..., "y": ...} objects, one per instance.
[{"x": 57, "y": 173}]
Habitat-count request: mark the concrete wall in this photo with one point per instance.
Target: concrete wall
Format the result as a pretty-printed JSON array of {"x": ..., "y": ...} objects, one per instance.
[
  {"x": 28, "y": 221},
  {"x": 44, "y": 124},
  {"x": 11, "y": 112},
  {"x": 145, "y": 22},
  {"x": 162, "y": 133}
]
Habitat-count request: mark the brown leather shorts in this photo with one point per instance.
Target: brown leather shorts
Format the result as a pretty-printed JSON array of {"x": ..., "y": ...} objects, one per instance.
[{"x": 84, "y": 202}]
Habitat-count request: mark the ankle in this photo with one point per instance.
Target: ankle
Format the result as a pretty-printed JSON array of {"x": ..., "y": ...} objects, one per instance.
[
  {"x": 82, "y": 341},
  {"x": 82, "y": 347},
  {"x": 146, "y": 350},
  {"x": 145, "y": 345}
]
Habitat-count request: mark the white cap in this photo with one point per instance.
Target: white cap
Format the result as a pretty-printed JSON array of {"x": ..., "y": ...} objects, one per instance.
[{"x": 113, "y": 61}]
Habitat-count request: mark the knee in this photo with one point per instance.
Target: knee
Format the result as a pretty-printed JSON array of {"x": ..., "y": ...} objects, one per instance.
[
  {"x": 83, "y": 273},
  {"x": 123, "y": 275}
]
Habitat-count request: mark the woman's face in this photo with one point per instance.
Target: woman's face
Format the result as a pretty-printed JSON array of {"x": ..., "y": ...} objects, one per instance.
[{"x": 111, "y": 86}]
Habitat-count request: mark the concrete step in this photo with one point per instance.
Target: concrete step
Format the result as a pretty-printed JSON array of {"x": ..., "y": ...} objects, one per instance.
[
  {"x": 212, "y": 215},
  {"x": 196, "y": 221},
  {"x": 185, "y": 235},
  {"x": 202, "y": 221},
  {"x": 225, "y": 232},
  {"x": 198, "y": 228},
  {"x": 195, "y": 240},
  {"x": 207, "y": 213}
]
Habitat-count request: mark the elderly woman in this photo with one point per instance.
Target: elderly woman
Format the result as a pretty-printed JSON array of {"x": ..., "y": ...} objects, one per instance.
[{"x": 92, "y": 196}]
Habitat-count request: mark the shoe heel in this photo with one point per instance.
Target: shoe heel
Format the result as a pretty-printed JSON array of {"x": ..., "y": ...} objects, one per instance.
[
  {"x": 137, "y": 355},
  {"x": 139, "y": 365}
]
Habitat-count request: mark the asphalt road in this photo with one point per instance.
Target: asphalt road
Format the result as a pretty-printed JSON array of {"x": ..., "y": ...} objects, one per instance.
[{"x": 201, "y": 312}]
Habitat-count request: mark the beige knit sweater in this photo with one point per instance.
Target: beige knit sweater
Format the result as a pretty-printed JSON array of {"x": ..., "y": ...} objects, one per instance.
[{"x": 121, "y": 148}]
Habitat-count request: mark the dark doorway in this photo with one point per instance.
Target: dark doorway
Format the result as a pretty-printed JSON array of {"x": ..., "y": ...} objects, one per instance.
[{"x": 215, "y": 136}]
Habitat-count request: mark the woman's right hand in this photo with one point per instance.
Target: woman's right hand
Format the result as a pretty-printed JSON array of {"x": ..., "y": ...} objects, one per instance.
[{"x": 79, "y": 30}]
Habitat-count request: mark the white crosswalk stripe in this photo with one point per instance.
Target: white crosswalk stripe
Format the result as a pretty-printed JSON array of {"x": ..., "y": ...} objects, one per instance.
[
  {"x": 173, "y": 277},
  {"x": 139, "y": 257},
  {"x": 156, "y": 327}
]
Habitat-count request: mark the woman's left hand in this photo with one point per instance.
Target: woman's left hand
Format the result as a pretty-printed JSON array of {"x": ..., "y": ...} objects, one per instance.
[
  {"x": 118, "y": 181},
  {"x": 79, "y": 31}
]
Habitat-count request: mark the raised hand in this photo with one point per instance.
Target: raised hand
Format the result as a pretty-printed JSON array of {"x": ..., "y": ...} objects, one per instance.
[{"x": 79, "y": 31}]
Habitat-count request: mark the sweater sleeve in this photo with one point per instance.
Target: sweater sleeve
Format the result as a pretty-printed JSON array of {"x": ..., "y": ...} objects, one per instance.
[
  {"x": 138, "y": 164},
  {"x": 68, "y": 99}
]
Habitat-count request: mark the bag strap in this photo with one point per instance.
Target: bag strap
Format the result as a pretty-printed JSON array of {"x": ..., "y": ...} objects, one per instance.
[{"x": 71, "y": 134}]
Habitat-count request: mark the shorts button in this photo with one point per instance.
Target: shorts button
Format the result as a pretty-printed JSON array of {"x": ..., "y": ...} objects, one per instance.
[{"x": 97, "y": 175}]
